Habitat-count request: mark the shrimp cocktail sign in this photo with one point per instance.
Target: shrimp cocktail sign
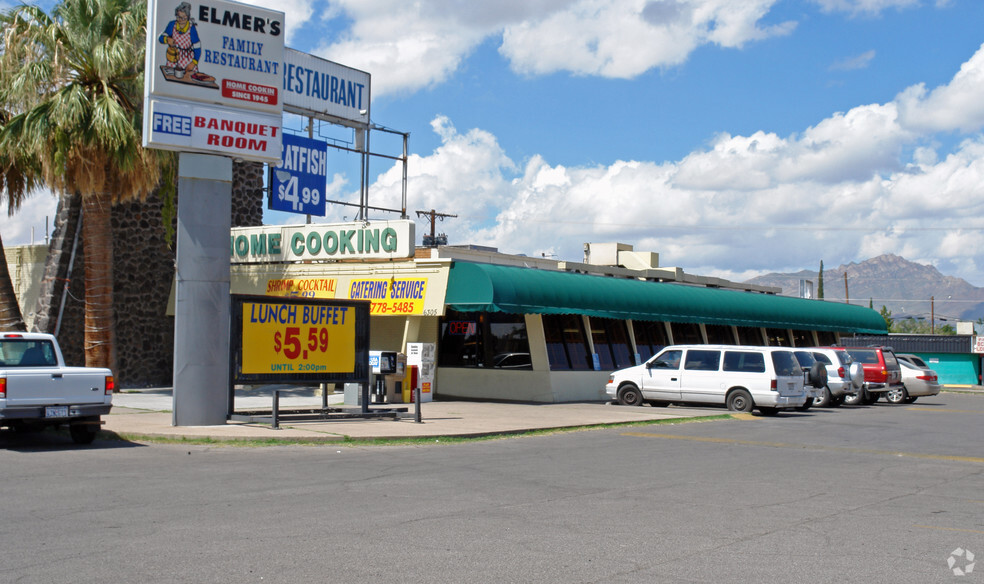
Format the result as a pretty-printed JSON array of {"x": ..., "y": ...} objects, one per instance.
[{"x": 214, "y": 78}]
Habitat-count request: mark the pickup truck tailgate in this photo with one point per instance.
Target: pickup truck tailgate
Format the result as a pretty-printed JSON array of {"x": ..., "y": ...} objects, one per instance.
[{"x": 54, "y": 385}]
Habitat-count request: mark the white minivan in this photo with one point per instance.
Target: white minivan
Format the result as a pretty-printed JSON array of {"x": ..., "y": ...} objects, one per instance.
[{"x": 741, "y": 377}]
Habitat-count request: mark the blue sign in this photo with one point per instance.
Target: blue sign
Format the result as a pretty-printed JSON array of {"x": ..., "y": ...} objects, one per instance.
[{"x": 297, "y": 184}]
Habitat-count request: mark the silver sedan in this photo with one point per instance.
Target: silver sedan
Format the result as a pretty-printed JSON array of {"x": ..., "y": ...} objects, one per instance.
[{"x": 916, "y": 382}]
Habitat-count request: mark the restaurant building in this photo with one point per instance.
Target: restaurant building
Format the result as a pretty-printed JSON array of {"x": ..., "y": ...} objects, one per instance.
[{"x": 518, "y": 328}]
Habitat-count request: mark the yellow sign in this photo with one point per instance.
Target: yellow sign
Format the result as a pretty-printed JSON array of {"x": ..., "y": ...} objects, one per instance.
[
  {"x": 294, "y": 338},
  {"x": 302, "y": 287},
  {"x": 391, "y": 297}
]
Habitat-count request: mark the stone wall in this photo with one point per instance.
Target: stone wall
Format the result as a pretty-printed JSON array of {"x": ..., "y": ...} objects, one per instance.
[{"x": 143, "y": 275}]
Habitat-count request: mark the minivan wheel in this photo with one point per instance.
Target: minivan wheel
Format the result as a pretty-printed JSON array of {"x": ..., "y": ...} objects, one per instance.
[
  {"x": 897, "y": 395},
  {"x": 629, "y": 395},
  {"x": 740, "y": 400}
]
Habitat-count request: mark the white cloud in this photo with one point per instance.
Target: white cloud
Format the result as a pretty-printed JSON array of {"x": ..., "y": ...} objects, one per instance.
[
  {"x": 854, "y": 63},
  {"x": 625, "y": 38},
  {"x": 869, "y": 7},
  {"x": 958, "y": 105},
  {"x": 28, "y": 223},
  {"x": 296, "y": 13},
  {"x": 413, "y": 45},
  {"x": 855, "y": 185}
]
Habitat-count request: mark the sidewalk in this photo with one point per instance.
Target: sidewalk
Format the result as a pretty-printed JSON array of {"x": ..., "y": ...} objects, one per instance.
[{"x": 147, "y": 413}]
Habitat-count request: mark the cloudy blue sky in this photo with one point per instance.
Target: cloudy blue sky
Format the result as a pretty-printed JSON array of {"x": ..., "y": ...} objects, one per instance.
[{"x": 733, "y": 138}]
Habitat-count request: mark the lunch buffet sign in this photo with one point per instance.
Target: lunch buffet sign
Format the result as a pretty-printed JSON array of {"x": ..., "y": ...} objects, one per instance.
[{"x": 214, "y": 79}]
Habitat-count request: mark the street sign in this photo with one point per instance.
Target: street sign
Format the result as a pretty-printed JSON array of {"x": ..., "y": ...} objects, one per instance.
[{"x": 297, "y": 184}]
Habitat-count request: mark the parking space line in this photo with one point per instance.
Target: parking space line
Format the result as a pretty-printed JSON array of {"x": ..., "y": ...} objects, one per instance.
[
  {"x": 949, "y": 528},
  {"x": 951, "y": 458}
]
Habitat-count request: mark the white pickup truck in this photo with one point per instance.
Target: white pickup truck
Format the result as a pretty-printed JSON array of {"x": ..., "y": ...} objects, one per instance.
[{"x": 37, "y": 389}]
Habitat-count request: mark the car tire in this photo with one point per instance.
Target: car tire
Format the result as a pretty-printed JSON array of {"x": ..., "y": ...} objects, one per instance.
[
  {"x": 897, "y": 395},
  {"x": 805, "y": 406},
  {"x": 855, "y": 399},
  {"x": 824, "y": 400},
  {"x": 629, "y": 395},
  {"x": 83, "y": 433},
  {"x": 740, "y": 400},
  {"x": 910, "y": 400},
  {"x": 836, "y": 402}
]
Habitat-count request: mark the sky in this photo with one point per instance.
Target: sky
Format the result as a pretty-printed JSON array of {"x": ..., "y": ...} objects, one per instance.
[{"x": 732, "y": 138}]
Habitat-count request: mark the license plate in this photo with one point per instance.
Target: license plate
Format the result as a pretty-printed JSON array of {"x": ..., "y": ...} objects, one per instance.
[{"x": 56, "y": 412}]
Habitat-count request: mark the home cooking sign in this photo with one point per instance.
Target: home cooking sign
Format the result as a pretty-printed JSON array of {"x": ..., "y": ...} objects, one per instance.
[{"x": 214, "y": 78}]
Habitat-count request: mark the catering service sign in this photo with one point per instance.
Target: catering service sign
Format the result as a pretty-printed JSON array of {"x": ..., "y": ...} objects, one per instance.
[{"x": 217, "y": 52}]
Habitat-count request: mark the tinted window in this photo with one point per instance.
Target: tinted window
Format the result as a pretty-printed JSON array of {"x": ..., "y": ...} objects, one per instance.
[
  {"x": 803, "y": 338},
  {"x": 805, "y": 359},
  {"x": 890, "y": 361},
  {"x": 822, "y": 358},
  {"x": 650, "y": 337},
  {"x": 749, "y": 335},
  {"x": 702, "y": 360},
  {"x": 668, "y": 360},
  {"x": 744, "y": 362},
  {"x": 785, "y": 364},
  {"x": 611, "y": 342},
  {"x": 864, "y": 356},
  {"x": 481, "y": 339},
  {"x": 567, "y": 345},
  {"x": 719, "y": 334},
  {"x": 686, "y": 333},
  {"x": 778, "y": 337}
]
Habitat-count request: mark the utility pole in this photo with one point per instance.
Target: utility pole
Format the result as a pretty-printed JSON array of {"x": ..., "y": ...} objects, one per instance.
[
  {"x": 932, "y": 315},
  {"x": 433, "y": 216},
  {"x": 847, "y": 297}
]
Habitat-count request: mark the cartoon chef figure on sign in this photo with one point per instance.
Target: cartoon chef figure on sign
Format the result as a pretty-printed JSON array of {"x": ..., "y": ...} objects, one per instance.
[{"x": 184, "y": 49}]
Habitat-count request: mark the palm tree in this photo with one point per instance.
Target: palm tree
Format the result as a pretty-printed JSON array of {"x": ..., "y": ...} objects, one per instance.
[
  {"x": 15, "y": 184},
  {"x": 73, "y": 80}
]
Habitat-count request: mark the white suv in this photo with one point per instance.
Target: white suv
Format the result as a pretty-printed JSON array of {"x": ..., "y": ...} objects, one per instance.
[
  {"x": 844, "y": 376},
  {"x": 743, "y": 378}
]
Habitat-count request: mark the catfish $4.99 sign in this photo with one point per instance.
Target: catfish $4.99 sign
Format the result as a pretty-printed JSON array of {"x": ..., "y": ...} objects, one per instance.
[
  {"x": 289, "y": 338},
  {"x": 297, "y": 184}
]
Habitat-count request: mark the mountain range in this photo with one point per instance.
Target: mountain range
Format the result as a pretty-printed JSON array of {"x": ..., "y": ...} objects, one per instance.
[{"x": 906, "y": 288}]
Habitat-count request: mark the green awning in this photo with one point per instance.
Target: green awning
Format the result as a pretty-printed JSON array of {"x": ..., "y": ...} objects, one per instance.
[{"x": 492, "y": 288}]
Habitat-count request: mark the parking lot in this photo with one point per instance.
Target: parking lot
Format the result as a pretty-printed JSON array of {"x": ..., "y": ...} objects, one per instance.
[{"x": 878, "y": 493}]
